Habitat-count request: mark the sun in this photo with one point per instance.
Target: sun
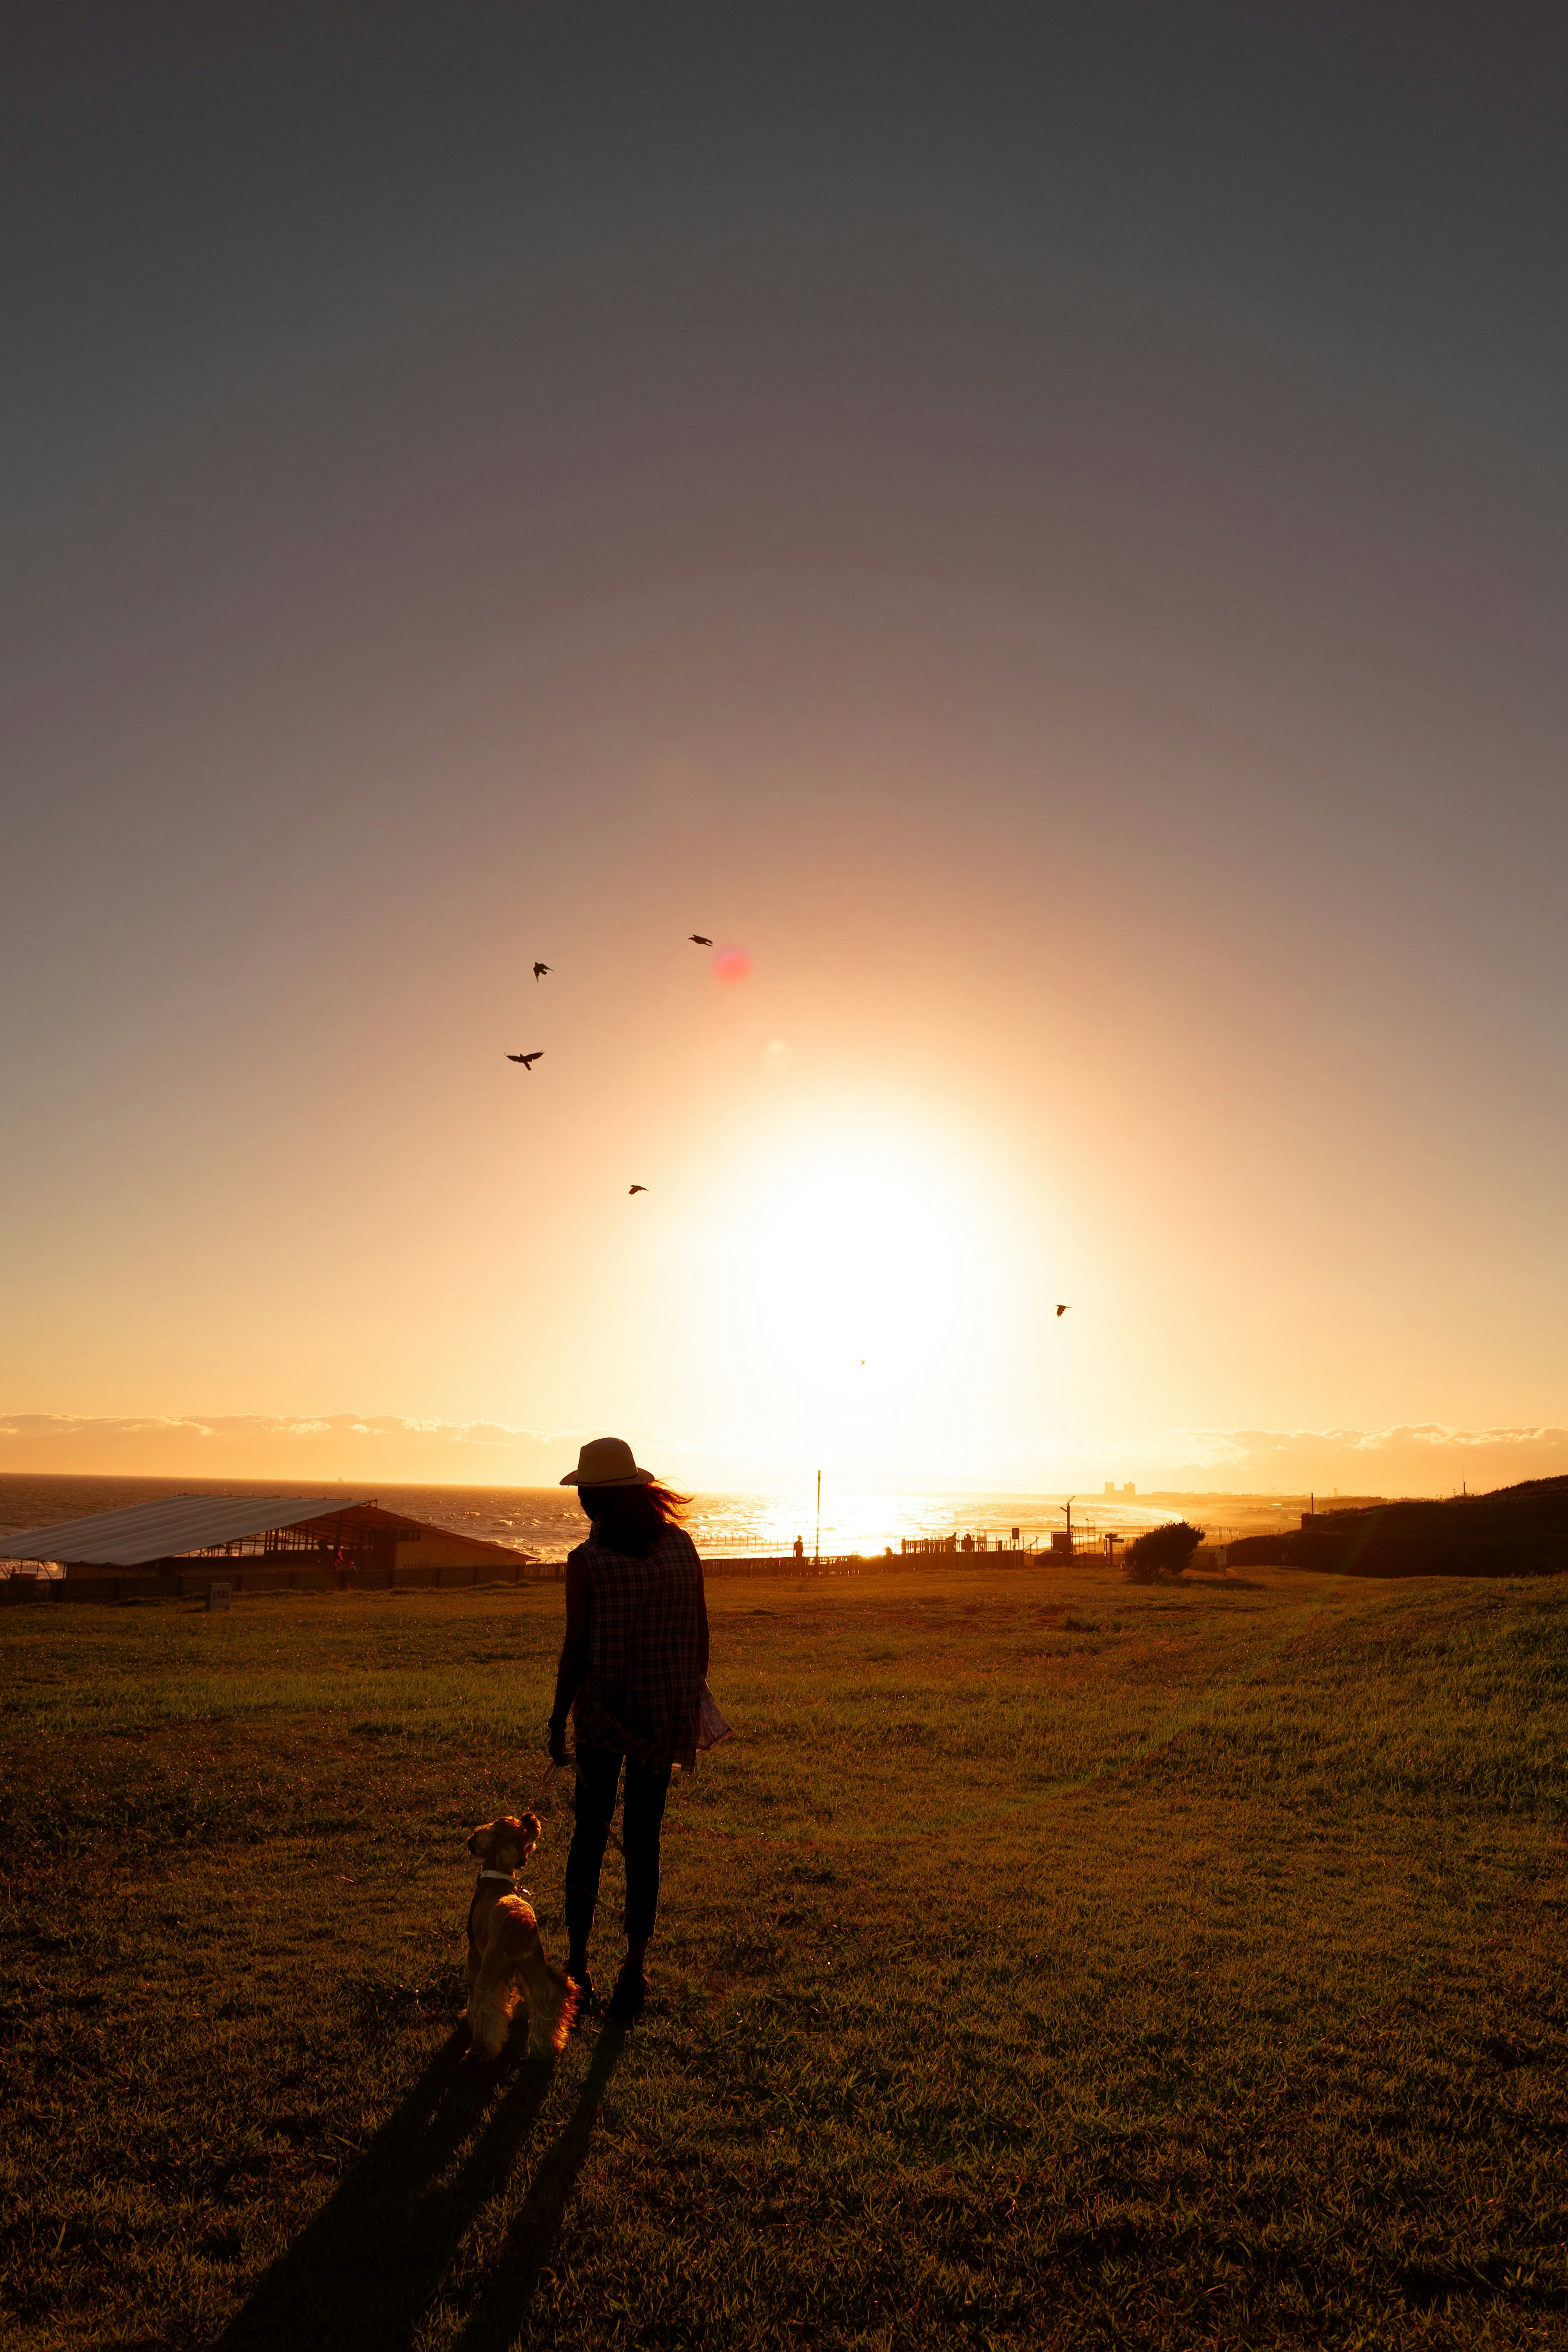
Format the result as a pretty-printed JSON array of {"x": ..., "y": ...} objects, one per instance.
[
  {"x": 860, "y": 1276},
  {"x": 855, "y": 1268}
]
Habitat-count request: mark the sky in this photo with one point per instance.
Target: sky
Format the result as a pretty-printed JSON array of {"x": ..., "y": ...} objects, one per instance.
[{"x": 1041, "y": 532}]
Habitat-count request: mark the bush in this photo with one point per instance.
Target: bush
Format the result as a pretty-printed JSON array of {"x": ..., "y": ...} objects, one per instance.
[{"x": 1164, "y": 1551}]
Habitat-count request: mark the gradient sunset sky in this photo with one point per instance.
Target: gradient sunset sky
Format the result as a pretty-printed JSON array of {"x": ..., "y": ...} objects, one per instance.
[{"x": 1043, "y": 529}]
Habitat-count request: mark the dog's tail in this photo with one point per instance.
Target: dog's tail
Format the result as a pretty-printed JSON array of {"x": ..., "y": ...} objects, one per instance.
[{"x": 552, "y": 2004}]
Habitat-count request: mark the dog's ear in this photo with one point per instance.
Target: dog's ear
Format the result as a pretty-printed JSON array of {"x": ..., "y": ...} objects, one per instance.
[
  {"x": 481, "y": 1841},
  {"x": 517, "y": 1837}
]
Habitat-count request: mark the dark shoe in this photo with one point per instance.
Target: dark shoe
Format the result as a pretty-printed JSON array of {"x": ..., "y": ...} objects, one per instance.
[
  {"x": 586, "y": 1999},
  {"x": 626, "y": 2000}
]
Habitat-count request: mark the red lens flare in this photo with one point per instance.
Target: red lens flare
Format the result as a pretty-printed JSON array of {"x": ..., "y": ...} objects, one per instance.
[{"x": 731, "y": 963}]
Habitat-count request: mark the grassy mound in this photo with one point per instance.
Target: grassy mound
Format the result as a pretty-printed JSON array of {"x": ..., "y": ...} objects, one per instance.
[{"x": 1516, "y": 1531}]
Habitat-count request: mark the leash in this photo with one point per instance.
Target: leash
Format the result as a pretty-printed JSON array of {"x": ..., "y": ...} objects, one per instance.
[{"x": 541, "y": 1801}]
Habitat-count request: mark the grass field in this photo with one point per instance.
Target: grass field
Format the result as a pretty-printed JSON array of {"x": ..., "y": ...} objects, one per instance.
[{"x": 1047, "y": 1962}]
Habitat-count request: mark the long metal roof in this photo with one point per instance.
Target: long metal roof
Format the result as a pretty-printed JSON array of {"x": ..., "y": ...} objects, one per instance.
[{"x": 182, "y": 1523}]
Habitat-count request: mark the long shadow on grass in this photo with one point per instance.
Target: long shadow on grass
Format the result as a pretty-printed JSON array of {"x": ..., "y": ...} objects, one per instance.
[
  {"x": 503, "y": 2300},
  {"x": 364, "y": 2270}
]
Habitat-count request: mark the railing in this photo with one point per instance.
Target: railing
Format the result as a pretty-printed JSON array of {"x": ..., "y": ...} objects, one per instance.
[
  {"x": 726, "y": 1547},
  {"x": 967, "y": 1544},
  {"x": 975, "y": 1544},
  {"x": 848, "y": 1546}
]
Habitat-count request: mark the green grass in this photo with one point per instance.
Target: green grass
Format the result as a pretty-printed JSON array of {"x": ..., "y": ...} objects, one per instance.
[{"x": 1048, "y": 1961}]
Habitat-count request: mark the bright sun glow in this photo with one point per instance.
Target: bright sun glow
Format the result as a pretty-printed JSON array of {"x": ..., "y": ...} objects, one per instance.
[
  {"x": 856, "y": 1272},
  {"x": 860, "y": 1277}
]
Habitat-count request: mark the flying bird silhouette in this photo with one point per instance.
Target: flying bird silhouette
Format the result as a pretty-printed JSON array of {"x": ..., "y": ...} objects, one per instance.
[
  {"x": 1062, "y": 1310},
  {"x": 528, "y": 1060},
  {"x": 635, "y": 1188},
  {"x": 541, "y": 969},
  {"x": 699, "y": 941}
]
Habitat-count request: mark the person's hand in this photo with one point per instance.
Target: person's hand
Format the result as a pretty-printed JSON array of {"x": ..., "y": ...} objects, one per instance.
[{"x": 558, "y": 1743}]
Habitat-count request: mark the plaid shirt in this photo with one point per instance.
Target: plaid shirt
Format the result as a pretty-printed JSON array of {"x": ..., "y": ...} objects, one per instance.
[{"x": 641, "y": 1694}]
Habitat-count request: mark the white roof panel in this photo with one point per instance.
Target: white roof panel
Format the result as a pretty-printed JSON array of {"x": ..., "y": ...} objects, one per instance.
[{"x": 181, "y": 1523}]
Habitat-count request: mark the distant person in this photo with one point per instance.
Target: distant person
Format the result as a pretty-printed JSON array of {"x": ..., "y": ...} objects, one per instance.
[
  {"x": 800, "y": 1548},
  {"x": 632, "y": 1672}
]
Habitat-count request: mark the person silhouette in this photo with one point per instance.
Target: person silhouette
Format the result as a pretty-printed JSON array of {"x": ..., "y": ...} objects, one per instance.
[{"x": 633, "y": 1671}]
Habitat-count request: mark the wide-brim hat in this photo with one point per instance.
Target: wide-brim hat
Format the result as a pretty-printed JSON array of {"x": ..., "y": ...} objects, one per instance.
[{"x": 607, "y": 1462}]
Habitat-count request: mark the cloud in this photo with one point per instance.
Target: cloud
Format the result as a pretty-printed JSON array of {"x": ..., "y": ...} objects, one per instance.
[
  {"x": 386, "y": 1449},
  {"x": 1407, "y": 1457},
  {"x": 381, "y": 1447}
]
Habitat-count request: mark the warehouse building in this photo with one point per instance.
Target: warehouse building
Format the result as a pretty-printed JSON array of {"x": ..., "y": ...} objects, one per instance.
[{"x": 253, "y": 1543}]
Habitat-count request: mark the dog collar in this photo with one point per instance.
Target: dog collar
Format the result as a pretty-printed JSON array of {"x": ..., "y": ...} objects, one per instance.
[{"x": 507, "y": 1876}]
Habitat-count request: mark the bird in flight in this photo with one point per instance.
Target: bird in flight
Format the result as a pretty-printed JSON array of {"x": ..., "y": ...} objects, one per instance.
[
  {"x": 541, "y": 969},
  {"x": 699, "y": 941},
  {"x": 528, "y": 1060},
  {"x": 635, "y": 1188},
  {"x": 1062, "y": 1310}
]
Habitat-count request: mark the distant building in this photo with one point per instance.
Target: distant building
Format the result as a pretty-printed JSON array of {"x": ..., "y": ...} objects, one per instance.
[
  {"x": 1110, "y": 1485},
  {"x": 1129, "y": 1489},
  {"x": 260, "y": 1542}
]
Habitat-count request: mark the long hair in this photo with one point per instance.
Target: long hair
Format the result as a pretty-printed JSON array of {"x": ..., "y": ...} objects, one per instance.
[{"x": 631, "y": 1518}]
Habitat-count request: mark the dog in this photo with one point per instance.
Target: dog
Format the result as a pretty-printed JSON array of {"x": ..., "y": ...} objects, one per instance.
[{"x": 506, "y": 1963}]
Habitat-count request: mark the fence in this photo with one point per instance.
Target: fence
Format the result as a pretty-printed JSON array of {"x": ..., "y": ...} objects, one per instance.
[
  {"x": 128, "y": 1587},
  {"x": 193, "y": 1585},
  {"x": 925, "y": 1545}
]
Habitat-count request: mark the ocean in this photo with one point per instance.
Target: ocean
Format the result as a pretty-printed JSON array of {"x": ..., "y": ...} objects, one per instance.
[{"x": 546, "y": 1521}]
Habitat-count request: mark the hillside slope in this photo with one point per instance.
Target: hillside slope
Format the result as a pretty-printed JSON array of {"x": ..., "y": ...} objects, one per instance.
[{"x": 1515, "y": 1531}]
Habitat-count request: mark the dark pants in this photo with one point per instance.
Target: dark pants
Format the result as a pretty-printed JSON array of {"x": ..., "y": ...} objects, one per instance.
[{"x": 597, "y": 1774}]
